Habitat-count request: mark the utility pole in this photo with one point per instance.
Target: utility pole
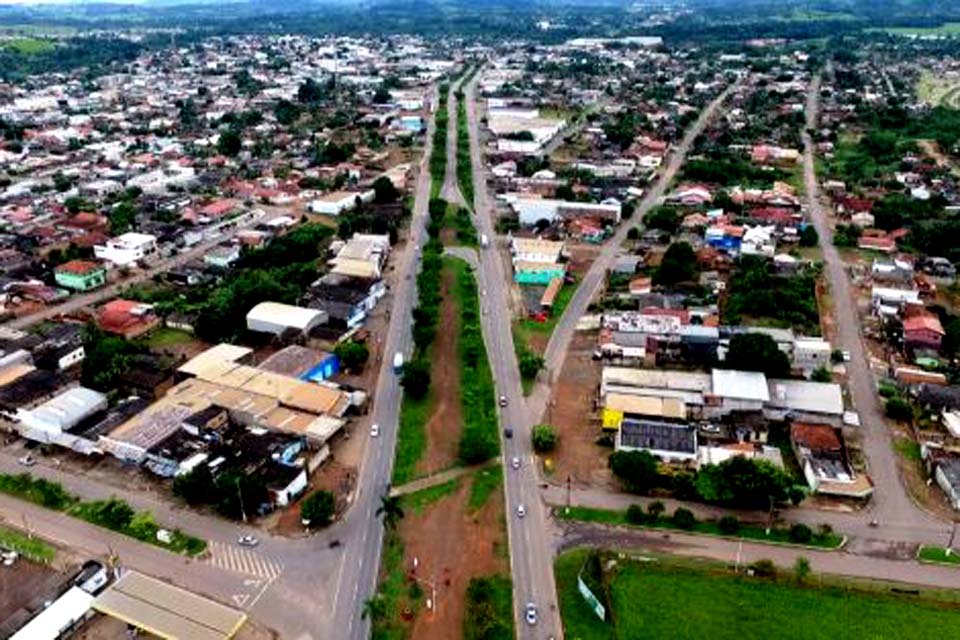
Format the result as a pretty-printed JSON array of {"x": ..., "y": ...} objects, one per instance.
[{"x": 770, "y": 518}]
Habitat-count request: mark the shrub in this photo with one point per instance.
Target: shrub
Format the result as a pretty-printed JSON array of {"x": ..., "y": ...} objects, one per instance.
[
  {"x": 764, "y": 569},
  {"x": 635, "y": 514},
  {"x": 684, "y": 518},
  {"x": 416, "y": 378},
  {"x": 899, "y": 409},
  {"x": 544, "y": 438},
  {"x": 655, "y": 510},
  {"x": 801, "y": 533},
  {"x": 729, "y": 525},
  {"x": 318, "y": 508},
  {"x": 637, "y": 469}
]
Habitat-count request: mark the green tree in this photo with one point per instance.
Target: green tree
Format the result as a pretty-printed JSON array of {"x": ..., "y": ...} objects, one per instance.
[
  {"x": 196, "y": 486},
  {"x": 664, "y": 218},
  {"x": 106, "y": 359},
  {"x": 122, "y": 217},
  {"x": 656, "y": 509},
  {"x": 416, "y": 378},
  {"x": 950, "y": 345},
  {"x": 729, "y": 525},
  {"x": 142, "y": 526},
  {"x": 374, "y": 607},
  {"x": 684, "y": 519},
  {"x": 638, "y": 470},
  {"x": 230, "y": 142},
  {"x": 899, "y": 409},
  {"x": 318, "y": 508},
  {"x": 352, "y": 354},
  {"x": 801, "y": 569},
  {"x": 384, "y": 191},
  {"x": 310, "y": 92},
  {"x": 821, "y": 374},
  {"x": 382, "y": 95},
  {"x": 390, "y": 510},
  {"x": 679, "y": 264},
  {"x": 482, "y": 621},
  {"x": 76, "y": 204},
  {"x": 544, "y": 438},
  {"x": 743, "y": 483},
  {"x": 809, "y": 237},
  {"x": 635, "y": 514},
  {"x": 757, "y": 352},
  {"x": 801, "y": 533},
  {"x": 530, "y": 364},
  {"x": 286, "y": 112},
  {"x": 239, "y": 495}
]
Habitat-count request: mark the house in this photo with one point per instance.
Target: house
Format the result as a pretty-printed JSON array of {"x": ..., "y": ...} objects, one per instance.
[
  {"x": 277, "y": 319},
  {"x": 362, "y": 256},
  {"x": 883, "y": 244},
  {"x": 922, "y": 331},
  {"x": 127, "y": 249},
  {"x": 347, "y": 300},
  {"x": 944, "y": 465},
  {"x": 822, "y": 456},
  {"x": 668, "y": 441},
  {"x": 127, "y": 318},
  {"x": 80, "y": 275},
  {"x": 809, "y": 354},
  {"x": 222, "y": 256}
]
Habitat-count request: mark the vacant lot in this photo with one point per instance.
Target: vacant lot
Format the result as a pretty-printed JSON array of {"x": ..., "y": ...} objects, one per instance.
[
  {"x": 672, "y": 601},
  {"x": 937, "y": 90}
]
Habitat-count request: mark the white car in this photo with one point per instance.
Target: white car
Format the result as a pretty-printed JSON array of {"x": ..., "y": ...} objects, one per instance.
[
  {"x": 374, "y": 430},
  {"x": 521, "y": 511},
  {"x": 27, "y": 461},
  {"x": 846, "y": 356},
  {"x": 515, "y": 462},
  {"x": 503, "y": 401},
  {"x": 531, "y": 613},
  {"x": 248, "y": 541}
]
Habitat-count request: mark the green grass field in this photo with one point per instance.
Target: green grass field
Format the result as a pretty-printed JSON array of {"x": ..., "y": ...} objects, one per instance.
[
  {"x": 166, "y": 337},
  {"x": 411, "y": 437},
  {"x": 674, "y": 600},
  {"x": 951, "y": 29},
  {"x": 30, "y": 46},
  {"x": 485, "y": 482},
  {"x": 31, "y": 548}
]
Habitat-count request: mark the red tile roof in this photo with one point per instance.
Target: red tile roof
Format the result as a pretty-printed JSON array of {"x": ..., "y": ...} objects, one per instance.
[
  {"x": 924, "y": 322},
  {"x": 816, "y": 437},
  {"x": 79, "y": 267}
]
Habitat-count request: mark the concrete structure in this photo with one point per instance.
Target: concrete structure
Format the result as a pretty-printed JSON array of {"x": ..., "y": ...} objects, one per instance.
[
  {"x": 80, "y": 275},
  {"x": 276, "y": 318},
  {"x": 335, "y": 203},
  {"x": 127, "y": 249},
  {"x": 531, "y": 210}
]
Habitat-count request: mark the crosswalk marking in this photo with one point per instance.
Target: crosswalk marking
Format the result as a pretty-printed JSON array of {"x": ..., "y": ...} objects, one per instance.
[{"x": 246, "y": 561}]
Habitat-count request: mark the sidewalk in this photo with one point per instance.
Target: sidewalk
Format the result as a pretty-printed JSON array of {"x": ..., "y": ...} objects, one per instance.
[{"x": 439, "y": 478}]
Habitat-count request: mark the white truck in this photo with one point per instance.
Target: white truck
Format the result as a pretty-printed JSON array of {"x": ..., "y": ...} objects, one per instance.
[
  {"x": 398, "y": 362},
  {"x": 484, "y": 241}
]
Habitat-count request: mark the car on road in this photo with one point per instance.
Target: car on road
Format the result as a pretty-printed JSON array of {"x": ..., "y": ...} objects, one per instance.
[
  {"x": 26, "y": 461},
  {"x": 374, "y": 430},
  {"x": 248, "y": 541},
  {"x": 846, "y": 356},
  {"x": 521, "y": 511},
  {"x": 503, "y": 401},
  {"x": 531, "y": 613},
  {"x": 508, "y": 433},
  {"x": 515, "y": 462}
]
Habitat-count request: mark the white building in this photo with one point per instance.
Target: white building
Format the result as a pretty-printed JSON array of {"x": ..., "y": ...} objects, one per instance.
[
  {"x": 127, "y": 249},
  {"x": 276, "y": 318},
  {"x": 531, "y": 210},
  {"x": 337, "y": 202}
]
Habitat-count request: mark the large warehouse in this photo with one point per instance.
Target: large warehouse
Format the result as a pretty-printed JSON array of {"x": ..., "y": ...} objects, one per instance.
[{"x": 276, "y": 318}]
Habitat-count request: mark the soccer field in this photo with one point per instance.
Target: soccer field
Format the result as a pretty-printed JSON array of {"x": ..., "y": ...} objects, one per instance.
[{"x": 665, "y": 601}]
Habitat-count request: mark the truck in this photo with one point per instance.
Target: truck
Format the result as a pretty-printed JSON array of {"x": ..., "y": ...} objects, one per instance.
[
  {"x": 484, "y": 241},
  {"x": 398, "y": 362}
]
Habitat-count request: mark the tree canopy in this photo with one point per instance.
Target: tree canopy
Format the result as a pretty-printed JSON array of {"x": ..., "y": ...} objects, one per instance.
[{"x": 757, "y": 352}]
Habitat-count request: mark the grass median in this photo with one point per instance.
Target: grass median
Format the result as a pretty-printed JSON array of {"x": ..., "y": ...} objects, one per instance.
[
  {"x": 732, "y": 528},
  {"x": 27, "y": 546},
  {"x": 938, "y": 555}
]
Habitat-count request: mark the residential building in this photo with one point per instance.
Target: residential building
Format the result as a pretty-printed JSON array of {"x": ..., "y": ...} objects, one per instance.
[
  {"x": 127, "y": 318},
  {"x": 80, "y": 275},
  {"x": 127, "y": 249},
  {"x": 822, "y": 456}
]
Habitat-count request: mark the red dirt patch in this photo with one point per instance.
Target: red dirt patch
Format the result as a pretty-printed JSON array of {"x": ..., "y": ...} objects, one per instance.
[
  {"x": 571, "y": 412},
  {"x": 443, "y": 427},
  {"x": 452, "y": 547}
]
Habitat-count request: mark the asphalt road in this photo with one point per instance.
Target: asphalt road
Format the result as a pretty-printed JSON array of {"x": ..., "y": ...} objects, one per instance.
[
  {"x": 531, "y": 557},
  {"x": 890, "y": 505}
]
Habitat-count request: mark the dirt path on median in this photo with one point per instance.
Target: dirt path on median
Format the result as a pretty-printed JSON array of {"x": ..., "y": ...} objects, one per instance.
[
  {"x": 453, "y": 546},
  {"x": 443, "y": 427}
]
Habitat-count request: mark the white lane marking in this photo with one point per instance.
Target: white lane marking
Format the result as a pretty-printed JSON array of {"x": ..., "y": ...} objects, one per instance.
[{"x": 245, "y": 561}]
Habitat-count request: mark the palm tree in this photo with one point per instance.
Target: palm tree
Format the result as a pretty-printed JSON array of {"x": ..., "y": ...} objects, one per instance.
[
  {"x": 373, "y": 607},
  {"x": 391, "y": 510}
]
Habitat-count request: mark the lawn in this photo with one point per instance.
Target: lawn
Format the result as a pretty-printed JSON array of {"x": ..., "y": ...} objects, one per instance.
[
  {"x": 30, "y": 46},
  {"x": 751, "y": 532},
  {"x": 166, "y": 337},
  {"x": 485, "y": 482},
  {"x": 394, "y": 593},
  {"x": 420, "y": 500},
  {"x": 411, "y": 437},
  {"x": 938, "y": 554},
  {"x": 29, "y": 547},
  {"x": 559, "y": 306},
  {"x": 946, "y": 29},
  {"x": 489, "y": 608},
  {"x": 672, "y": 600}
]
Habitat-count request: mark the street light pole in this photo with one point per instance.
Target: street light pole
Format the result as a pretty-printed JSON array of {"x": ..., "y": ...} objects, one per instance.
[{"x": 243, "y": 512}]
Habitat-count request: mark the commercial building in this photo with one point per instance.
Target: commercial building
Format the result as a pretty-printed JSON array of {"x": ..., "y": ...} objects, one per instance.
[
  {"x": 276, "y": 318},
  {"x": 337, "y": 202},
  {"x": 80, "y": 275}
]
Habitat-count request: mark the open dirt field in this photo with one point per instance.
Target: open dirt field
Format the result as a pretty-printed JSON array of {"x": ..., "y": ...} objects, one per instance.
[
  {"x": 453, "y": 546},
  {"x": 571, "y": 413},
  {"x": 443, "y": 427}
]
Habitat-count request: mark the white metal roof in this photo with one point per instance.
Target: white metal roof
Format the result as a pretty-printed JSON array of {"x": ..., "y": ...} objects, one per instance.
[
  {"x": 50, "y": 623},
  {"x": 286, "y": 315},
  {"x": 802, "y": 395},
  {"x": 740, "y": 385}
]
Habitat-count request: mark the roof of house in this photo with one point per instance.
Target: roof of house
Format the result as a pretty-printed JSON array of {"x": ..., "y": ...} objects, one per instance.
[
  {"x": 79, "y": 267},
  {"x": 923, "y": 322},
  {"x": 818, "y": 438},
  {"x": 119, "y": 315},
  {"x": 661, "y": 436},
  {"x": 740, "y": 385},
  {"x": 806, "y": 396},
  {"x": 647, "y": 406}
]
